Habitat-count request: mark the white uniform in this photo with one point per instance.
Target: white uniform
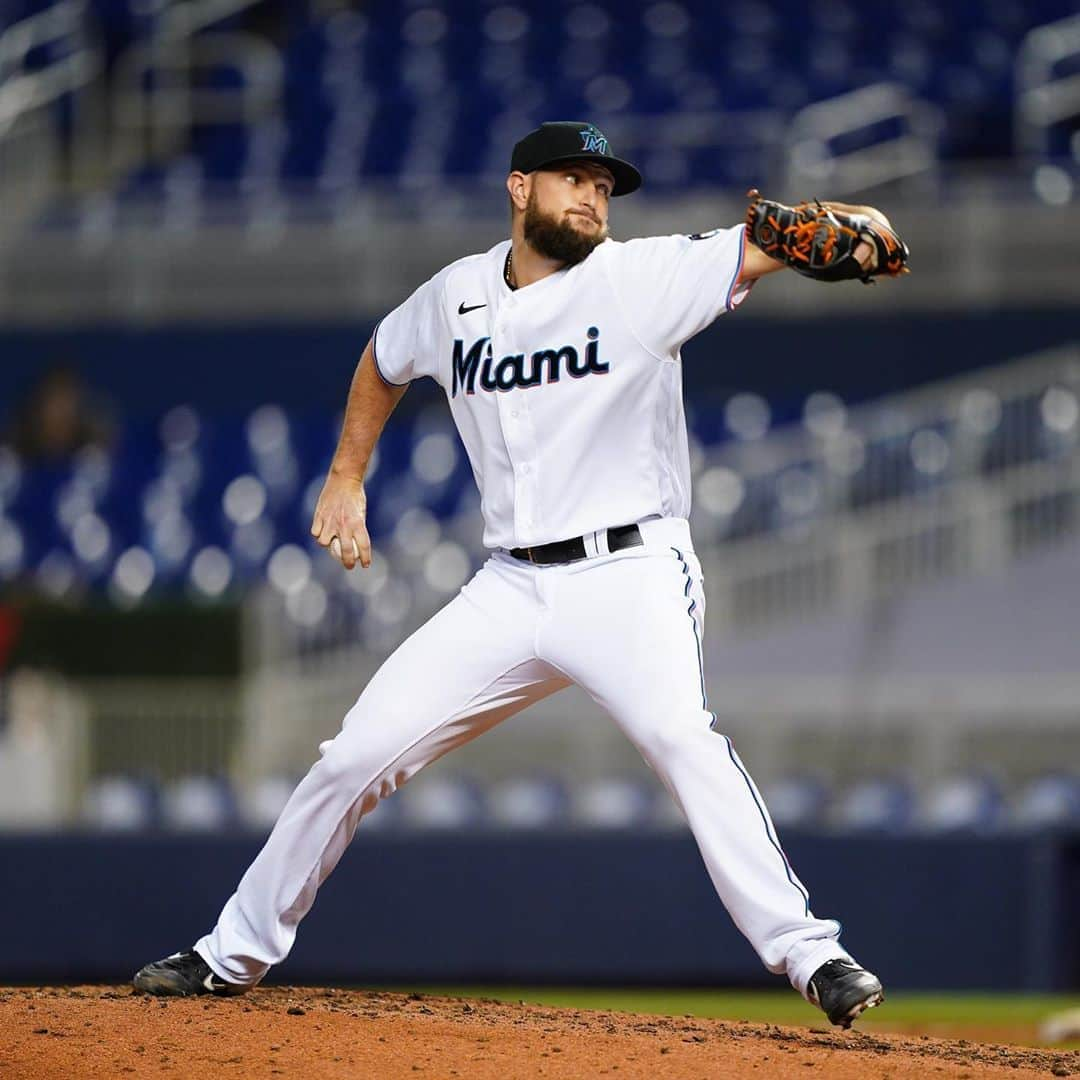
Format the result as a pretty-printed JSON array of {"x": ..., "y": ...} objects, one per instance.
[{"x": 568, "y": 396}]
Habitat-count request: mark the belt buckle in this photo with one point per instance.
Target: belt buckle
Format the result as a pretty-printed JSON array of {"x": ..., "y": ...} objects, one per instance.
[{"x": 529, "y": 552}]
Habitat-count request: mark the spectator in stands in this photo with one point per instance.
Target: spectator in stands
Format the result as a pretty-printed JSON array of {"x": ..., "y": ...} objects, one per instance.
[{"x": 60, "y": 416}]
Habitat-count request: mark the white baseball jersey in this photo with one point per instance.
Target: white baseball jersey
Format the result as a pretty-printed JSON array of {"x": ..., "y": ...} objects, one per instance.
[{"x": 568, "y": 392}]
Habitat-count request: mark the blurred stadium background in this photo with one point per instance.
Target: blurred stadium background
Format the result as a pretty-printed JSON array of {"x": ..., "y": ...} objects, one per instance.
[{"x": 207, "y": 205}]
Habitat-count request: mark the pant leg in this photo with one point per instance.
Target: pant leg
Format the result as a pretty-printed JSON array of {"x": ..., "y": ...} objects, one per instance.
[
  {"x": 629, "y": 631},
  {"x": 470, "y": 666}
]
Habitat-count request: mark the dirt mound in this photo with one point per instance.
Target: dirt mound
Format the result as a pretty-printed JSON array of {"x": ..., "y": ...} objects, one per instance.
[{"x": 99, "y": 1031}]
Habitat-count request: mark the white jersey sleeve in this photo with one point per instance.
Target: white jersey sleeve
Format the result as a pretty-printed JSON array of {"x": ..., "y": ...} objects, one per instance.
[
  {"x": 406, "y": 342},
  {"x": 672, "y": 287}
]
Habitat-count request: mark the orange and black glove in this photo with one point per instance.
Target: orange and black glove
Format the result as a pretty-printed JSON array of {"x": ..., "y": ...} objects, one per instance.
[{"x": 820, "y": 241}]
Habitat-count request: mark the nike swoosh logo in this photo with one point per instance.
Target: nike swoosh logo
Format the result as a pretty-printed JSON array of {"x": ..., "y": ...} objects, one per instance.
[{"x": 463, "y": 310}]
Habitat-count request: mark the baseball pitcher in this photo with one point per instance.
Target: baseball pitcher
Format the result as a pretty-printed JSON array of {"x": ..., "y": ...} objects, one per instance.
[{"x": 559, "y": 353}]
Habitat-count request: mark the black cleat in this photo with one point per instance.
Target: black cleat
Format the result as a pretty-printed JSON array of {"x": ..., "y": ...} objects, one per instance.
[
  {"x": 843, "y": 991},
  {"x": 181, "y": 975}
]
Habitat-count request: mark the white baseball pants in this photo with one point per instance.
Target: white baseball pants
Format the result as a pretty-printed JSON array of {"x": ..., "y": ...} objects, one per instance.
[{"x": 627, "y": 628}]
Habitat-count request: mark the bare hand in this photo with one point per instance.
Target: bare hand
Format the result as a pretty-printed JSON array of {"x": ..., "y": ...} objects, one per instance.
[{"x": 340, "y": 515}]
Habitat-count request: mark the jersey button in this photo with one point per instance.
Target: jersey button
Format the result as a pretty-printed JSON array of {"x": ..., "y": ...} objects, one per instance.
[{"x": 526, "y": 468}]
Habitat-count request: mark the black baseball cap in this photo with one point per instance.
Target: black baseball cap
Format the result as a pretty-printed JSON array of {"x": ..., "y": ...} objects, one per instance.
[{"x": 572, "y": 140}]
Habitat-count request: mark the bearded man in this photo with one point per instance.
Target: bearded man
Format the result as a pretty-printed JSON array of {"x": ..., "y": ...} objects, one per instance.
[{"x": 559, "y": 352}]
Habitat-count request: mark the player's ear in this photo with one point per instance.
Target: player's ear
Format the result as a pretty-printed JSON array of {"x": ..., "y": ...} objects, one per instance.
[{"x": 517, "y": 184}]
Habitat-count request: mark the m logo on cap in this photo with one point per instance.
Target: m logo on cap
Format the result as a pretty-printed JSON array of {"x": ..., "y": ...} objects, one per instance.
[{"x": 592, "y": 142}]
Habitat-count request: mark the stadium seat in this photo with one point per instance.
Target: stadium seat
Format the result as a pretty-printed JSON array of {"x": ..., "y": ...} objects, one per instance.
[
  {"x": 797, "y": 801},
  {"x": 198, "y": 803},
  {"x": 443, "y": 802},
  {"x": 1049, "y": 802},
  {"x": 528, "y": 802},
  {"x": 963, "y": 804},
  {"x": 121, "y": 803},
  {"x": 414, "y": 94},
  {"x": 882, "y": 804},
  {"x": 613, "y": 802},
  {"x": 262, "y": 802}
]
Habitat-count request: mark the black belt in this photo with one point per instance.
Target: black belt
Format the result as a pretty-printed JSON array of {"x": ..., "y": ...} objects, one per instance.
[{"x": 622, "y": 536}]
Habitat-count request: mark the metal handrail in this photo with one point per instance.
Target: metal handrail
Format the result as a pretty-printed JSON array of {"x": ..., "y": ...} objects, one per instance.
[
  {"x": 849, "y": 537},
  {"x": 811, "y": 158},
  {"x": 18, "y": 39},
  {"x": 1042, "y": 99},
  {"x": 185, "y": 19},
  {"x": 835, "y": 558},
  {"x": 22, "y": 91},
  {"x": 167, "y": 109},
  {"x": 899, "y": 414}
]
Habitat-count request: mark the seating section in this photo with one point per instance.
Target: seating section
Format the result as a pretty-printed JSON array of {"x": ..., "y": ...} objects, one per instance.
[
  {"x": 883, "y": 454},
  {"x": 965, "y": 803},
  {"x": 433, "y": 92},
  {"x": 206, "y": 505}
]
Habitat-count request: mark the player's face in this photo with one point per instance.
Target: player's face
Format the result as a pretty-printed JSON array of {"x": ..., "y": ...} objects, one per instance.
[
  {"x": 567, "y": 211},
  {"x": 576, "y": 193}
]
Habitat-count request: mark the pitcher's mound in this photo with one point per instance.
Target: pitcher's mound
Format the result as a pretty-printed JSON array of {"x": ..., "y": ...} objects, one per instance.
[{"x": 95, "y": 1031}]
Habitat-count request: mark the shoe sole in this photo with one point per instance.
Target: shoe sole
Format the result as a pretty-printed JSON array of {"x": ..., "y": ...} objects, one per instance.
[{"x": 859, "y": 1008}]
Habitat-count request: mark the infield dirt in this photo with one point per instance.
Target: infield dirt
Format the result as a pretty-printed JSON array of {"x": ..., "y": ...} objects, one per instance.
[{"x": 103, "y": 1031}]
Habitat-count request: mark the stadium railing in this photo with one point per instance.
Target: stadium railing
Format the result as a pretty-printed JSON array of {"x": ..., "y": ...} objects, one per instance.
[
  {"x": 32, "y": 146},
  {"x": 961, "y": 477}
]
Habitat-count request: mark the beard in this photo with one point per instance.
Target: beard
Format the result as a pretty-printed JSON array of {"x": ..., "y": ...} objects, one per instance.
[{"x": 556, "y": 238}]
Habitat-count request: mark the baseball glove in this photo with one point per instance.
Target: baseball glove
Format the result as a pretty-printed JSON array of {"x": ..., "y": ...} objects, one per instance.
[{"x": 820, "y": 241}]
